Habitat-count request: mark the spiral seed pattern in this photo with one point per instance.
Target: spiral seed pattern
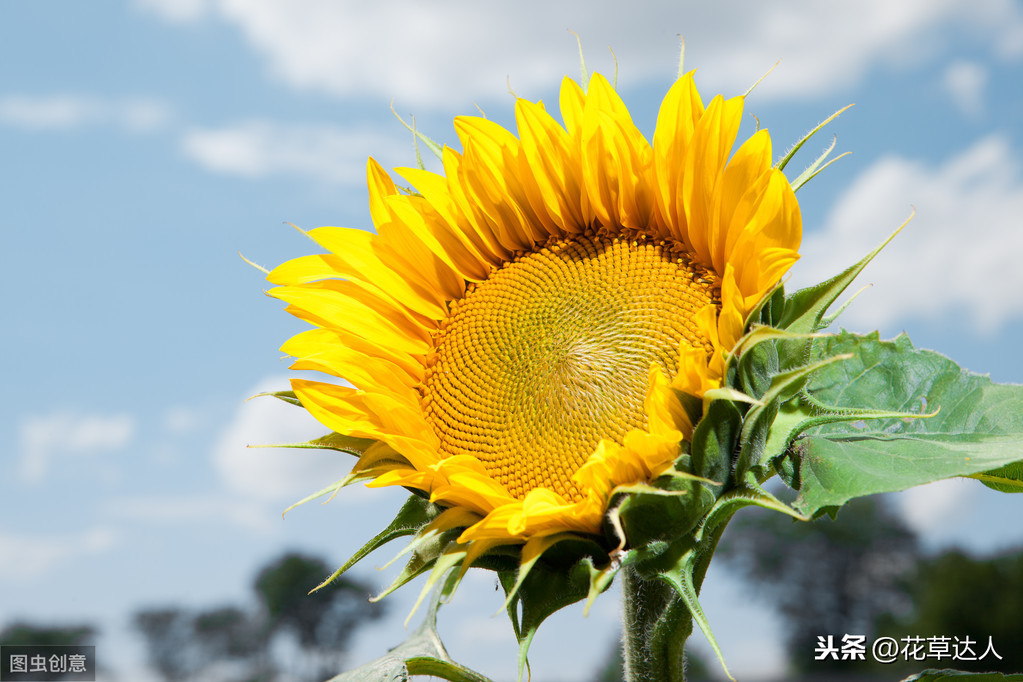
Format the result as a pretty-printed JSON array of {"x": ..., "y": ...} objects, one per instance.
[{"x": 536, "y": 364}]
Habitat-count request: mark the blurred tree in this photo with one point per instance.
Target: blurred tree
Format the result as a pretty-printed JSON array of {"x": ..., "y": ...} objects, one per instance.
[
  {"x": 25, "y": 634},
  {"x": 288, "y": 634},
  {"x": 235, "y": 643},
  {"x": 170, "y": 642},
  {"x": 960, "y": 596},
  {"x": 225, "y": 643},
  {"x": 827, "y": 577},
  {"x": 322, "y": 622}
]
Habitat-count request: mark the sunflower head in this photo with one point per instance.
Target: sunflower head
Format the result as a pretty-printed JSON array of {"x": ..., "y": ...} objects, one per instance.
[{"x": 531, "y": 335}]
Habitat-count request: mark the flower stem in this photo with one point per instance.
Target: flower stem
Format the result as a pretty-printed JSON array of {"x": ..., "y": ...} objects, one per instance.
[
  {"x": 657, "y": 625},
  {"x": 657, "y": 621}
]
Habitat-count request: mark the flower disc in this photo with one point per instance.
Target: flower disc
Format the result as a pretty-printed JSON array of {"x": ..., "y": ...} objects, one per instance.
[{"x": 552, "y": 353}]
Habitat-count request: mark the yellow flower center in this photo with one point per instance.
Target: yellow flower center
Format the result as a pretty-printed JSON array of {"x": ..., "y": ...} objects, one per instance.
[{"x": 552, "y": 353}]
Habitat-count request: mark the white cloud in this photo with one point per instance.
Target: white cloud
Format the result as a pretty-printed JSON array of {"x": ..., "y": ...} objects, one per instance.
[
  {"x": 69, "y": 111},
  {"x": 958, "y": 260},
  {"x": 201, "y": 508},
  {"x": 32, "y": 556},
  {"x": 43, "y": 438},
  {"x": 275, "y": 474},
  {"x": 181, "y": 419},
  {"x": 460, "y": 51},
  {"x": 966, "y": 82},
  {"x": 931, "y": 508},
  {"x": 258, "y": 149}
]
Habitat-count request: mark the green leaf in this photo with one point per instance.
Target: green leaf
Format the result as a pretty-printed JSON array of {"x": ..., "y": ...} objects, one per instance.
[
  {"x": 956, "y": 675},
  {"x": 446, "y": 670},
  {"x": 1006, "y": 479},
  {"x": 978, "y": 426}
]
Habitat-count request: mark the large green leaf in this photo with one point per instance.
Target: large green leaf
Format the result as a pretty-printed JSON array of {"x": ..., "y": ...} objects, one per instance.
[
  {"x": 1006, "y": 479},
  {"x": 975, "y": 425}
]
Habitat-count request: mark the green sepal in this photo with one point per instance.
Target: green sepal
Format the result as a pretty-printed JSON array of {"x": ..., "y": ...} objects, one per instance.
[
  {"x": 335, "y": 441},
  {"x": 948, "y": 675},
  {"x": 714, "y": 441},
  {"x": 331, "y": 489},
  {"x": 425, "y": 551},
  {"x": 760, "y": 333},
  {"x": 340, "y": 443},
  {"x": 411, "y": 518},
  {"x": 654, "y": 522},
  {"x": 422, "y": 653},
  {"x": 755, "y": 367},
  {"x": 769, "y": 309},
  {"x": 550, "y": 584},
  {"x": 453, "y": 554},
  {"x": 525, "y": 566},
  {"x": 760, "y": 419},
  {"x": 784, "y": 161},
  {"x": 977, "y": 428},
  {"x": 463, "y": 556},
  {"x": 681, "y": 581},
  {"x": 417, "y": 137},
  {"x": 285, "y": 396},
  {"x": 804, "y": 311},
  {"x": 815, "y": 168}
]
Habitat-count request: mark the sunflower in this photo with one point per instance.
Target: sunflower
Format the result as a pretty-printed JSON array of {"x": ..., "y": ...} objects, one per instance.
[{"x": 521, "y": 332}]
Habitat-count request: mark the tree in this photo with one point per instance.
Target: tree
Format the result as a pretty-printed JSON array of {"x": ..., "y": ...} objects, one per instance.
[
  {"x": 170, "y": 642},
  {"x": 231, "y": 643},
  {"x": 827, "y": 577},
  {"x": 231, "y": 638},
  {"x": 184, "y": 645},
  {"x": 322, "y": 622},
  {"x": 960, "y": 596},
  {"x": 26, "y": 634}
]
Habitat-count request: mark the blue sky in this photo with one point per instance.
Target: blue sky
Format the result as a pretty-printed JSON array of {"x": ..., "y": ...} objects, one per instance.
[{"x": 145, "y": 143}]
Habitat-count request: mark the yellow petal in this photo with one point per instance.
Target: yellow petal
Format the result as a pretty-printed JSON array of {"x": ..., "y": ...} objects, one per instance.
[
  {"x": 550, "y": 168},
  {"x": 354, "y": 309},
  {"x": 406, "y": 242},
  {"x": 363, "y": 257},
  {"x": 704, "y": 166},
  {"x": 676, "y": 122}
]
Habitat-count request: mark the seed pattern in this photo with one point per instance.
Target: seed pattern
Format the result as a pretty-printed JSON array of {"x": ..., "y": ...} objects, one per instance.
[{"x": 536, "y": 364}]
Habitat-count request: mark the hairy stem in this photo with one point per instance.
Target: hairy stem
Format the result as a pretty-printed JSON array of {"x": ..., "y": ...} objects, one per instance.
[{"x": 657, "y": 625}]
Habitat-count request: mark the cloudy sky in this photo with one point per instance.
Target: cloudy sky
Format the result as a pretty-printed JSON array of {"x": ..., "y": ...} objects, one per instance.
[{"x": 144, "y": 144}]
